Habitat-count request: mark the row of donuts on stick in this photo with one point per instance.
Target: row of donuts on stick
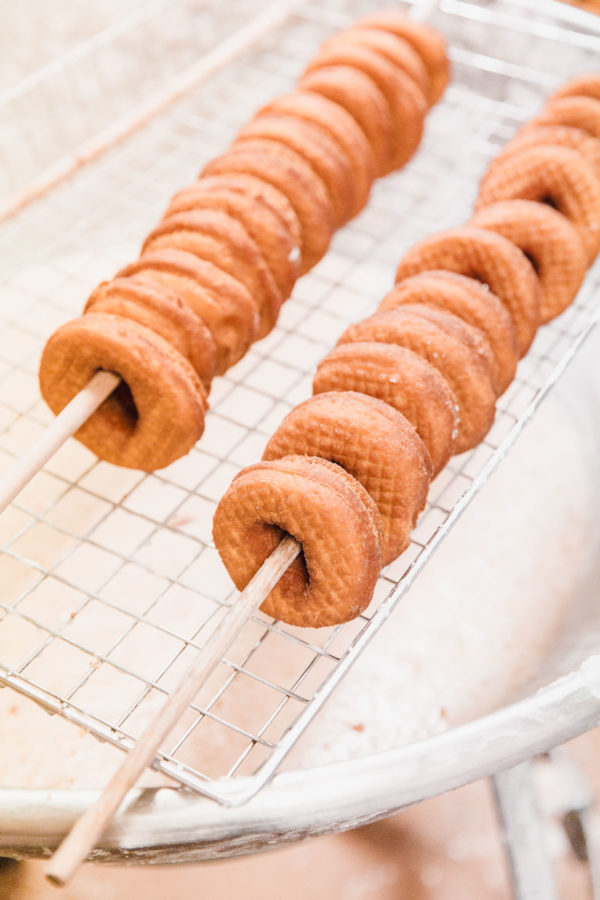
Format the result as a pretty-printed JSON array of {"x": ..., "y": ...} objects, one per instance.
[
  {"x": 348, "y": 470},
  {"x": 214, "y": 273}
]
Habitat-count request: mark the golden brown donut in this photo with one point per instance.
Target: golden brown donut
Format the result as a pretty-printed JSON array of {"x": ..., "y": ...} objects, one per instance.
[
  {"x": 553, "y": 135},
  {"x": 472, "y": 302},
  {"x": 428, "y": 43},
  {"x": 358, "y": 95},
  {"x": 406, "y": 101},
  {"x": 215, "y": 237},
  {"x": 274, "y": 240},
  {"x": 574, "y": 112},
  {"x": 373, "y": 442},
  {"x": 317, "y": 148},
  {"x": 402, "y": 379},
  {"x": 155, "y": 416},
  {"x": 488, "y": 258},
  {"x": 341, "y": 128},
  {"x": 582, "y": 86},
  {"x": 464, "y": 370},
  {"x": 157, "y": 308},
  {"x": 395, "y": 49},
  {"x": 222, "y": 302},
  {"x": 548, "y": 240},
  {"x": 554, "y": 175},
  {"x": 327, "y": 511},
  {"x": 255, "y": 189},
  {"x": 471, "y": 336},
  {"x": 289, "y": 173}
]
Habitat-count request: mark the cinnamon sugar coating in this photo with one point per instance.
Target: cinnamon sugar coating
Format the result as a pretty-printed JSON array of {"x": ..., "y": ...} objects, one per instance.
[
  {"x": 467, "y": 375},
  {"x": 374, "y": 443},
  {"x": 326, "y": 510},
  {"x": 551, "y": 243},
  {"x": 154, "y": 306},
  {"x": 402, "y": 379},
  {"x": 489, "y": 258},
  {"x": 156, "y": 412},
  {"x": 468, "y": 299}
]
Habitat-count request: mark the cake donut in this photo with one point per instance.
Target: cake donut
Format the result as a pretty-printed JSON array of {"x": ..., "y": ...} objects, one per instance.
[
  {"x": 581, "y": 86},
  {"x": 465, "y": 371},
  {"x": 405, "y": 100},
  {"x": 489, "y": 258},
  {"x": 325, "y": 509},
  {"x": 217, "y": 238},
  {"x": 287, "y": 171},
  {"x": 553, "y": 136},
  {"x": 428, "y": 44},
  {"x": 278, "y": 244},
  {"x": 557, "y": 176},
  {"x": 158, "y": 408},
  {"x": 359, "y": 95},
  {"x": 548, "y": 240},
  {"x": 318, "y": 149},
  {"x": 375, "y": 444},
  {"x": 573, "y": 111},
  {"x": 338, "y": 124},
  {"x": 395, "y": 49},
  {"x": 165, "y": 313},
  {"x": 471, "y": 301},
  {"x": 402, "y": 379},
  {"x": 222, "y": 302}
]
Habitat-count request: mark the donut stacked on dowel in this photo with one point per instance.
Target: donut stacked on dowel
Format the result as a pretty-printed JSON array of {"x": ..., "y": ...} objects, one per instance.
[
  {"x": 417, "y": 382},
  {"x": 214, "y": 273}
]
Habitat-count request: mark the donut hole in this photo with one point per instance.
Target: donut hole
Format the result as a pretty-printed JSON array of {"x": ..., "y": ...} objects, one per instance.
[
  {"x": 548, "y": 200},
  {"x": 532, "y": 260},
  {"x": 121, "y": 402},
  {"x": 476, "y": 276},
  {"x": 268, "y": 535}
]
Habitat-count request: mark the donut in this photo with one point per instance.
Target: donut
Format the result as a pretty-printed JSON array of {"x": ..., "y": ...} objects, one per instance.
[
  {"x": 553, "y": 135},
  {"x": 489, "y": 258},
  {"x": 373, "y": 442},
  {"x": 581, "y": 86},
  {"x": 360, "y": 96},
  {"x": 289, "y": 173},
  {"x": 471, "y": 301},
  {"x": 573, "y": 111},
  {"x": 471, "y": 336},
  {"x": 402, "y": 379},
  {"x": 341, "y": 128},
  {"x": 257, "y": 190},
  {"x": 277, "y": 246},
  {"x": 318, "y": 149},
  {"x": 327, "y": 511},
  {"x": 548, "y": 240},
  {"x": 165, "y": 313},
  {"x": 557, "y": 176},
  {"x": 395, "y": 49},
  {"x": 464, "y": 370},
  {"x": 406, "y": 101},
  {"x": 155, "y": 415},
  {"x": 428, "y": 43},
  {"x": 222, "y": 302},
  {"x": 217, "y": 238}
]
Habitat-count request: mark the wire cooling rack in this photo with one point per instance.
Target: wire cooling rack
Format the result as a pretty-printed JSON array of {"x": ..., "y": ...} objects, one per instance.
[{"x": 109, "y": 577}]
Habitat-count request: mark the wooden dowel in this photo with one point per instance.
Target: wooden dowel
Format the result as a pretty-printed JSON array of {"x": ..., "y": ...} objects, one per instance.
[
  {"x": 87, "y": 831},
  {"x": 64, "y": 425}
]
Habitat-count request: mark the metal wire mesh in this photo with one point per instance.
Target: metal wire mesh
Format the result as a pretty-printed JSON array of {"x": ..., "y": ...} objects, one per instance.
[{"x": 110, "y": 580}]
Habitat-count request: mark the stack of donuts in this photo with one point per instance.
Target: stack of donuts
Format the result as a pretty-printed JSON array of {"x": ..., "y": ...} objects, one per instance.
[
  {"x": 348, "y": 470},
  {"x": 213, "y": 274}
]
